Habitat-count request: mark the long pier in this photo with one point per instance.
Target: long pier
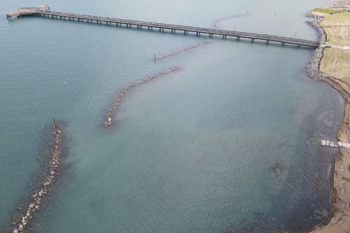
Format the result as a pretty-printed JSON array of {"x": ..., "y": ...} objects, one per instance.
[{"x": 44, "y": 11}]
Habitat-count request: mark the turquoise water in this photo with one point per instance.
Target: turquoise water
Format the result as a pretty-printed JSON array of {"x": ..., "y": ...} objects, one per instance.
[{"x": 192, "y": 151}]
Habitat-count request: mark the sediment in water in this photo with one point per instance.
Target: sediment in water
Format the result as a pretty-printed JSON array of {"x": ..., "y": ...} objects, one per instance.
[
  {"x": 24, "y": 220},
  {"x": 179, "y": 51},
  {"x": 112, "y": 111}
]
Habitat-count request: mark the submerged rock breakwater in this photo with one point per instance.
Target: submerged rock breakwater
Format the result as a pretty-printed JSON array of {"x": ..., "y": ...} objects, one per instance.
[
  {"x": 179, "y": 51},
  {"x": 113, "y": 109},
  {"x": 35, "y": 201},
  {"x": 216, "y": 22}
]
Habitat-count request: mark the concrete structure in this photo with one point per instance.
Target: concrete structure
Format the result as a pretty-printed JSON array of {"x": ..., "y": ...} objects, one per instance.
[{"x": 45, "y": 12}]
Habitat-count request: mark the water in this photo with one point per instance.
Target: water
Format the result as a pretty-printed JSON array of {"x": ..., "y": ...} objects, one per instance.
[{"x": 192, "y": 151}]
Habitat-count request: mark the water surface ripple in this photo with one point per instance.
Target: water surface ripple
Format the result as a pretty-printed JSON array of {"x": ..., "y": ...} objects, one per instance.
[{"x": 227, "y": 145}]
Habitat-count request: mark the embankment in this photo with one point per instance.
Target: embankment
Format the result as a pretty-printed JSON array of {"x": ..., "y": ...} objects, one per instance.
[{"x": 339, "y": 219}]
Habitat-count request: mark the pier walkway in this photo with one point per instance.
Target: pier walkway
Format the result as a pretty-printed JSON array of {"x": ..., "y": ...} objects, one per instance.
[{"x": 44, "y": 11}]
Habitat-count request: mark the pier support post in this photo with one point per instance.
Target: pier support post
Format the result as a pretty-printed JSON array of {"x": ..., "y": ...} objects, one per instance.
[
  {"x": 252, "y": 40},
  {"x": 282, "y": 43},
  {"x": 267, "y": 42}
]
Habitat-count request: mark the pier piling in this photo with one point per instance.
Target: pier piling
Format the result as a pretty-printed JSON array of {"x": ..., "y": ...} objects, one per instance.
[{"x": 45, "y": 11}]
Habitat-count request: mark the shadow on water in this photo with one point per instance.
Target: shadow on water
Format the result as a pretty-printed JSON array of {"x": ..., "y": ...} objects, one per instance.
[
  {"x": 303, "y": 206},
  {"x": 314, "y": 201}
]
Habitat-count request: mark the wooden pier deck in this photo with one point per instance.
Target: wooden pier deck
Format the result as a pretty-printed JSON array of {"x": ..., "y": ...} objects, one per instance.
[{"x": 44, "y": 11}]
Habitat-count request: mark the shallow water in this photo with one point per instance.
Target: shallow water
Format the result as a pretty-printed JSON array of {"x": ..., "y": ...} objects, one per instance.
[{"x": 191, "y": 151}]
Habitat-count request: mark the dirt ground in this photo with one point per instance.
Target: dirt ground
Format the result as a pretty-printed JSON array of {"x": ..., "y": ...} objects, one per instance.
[
  {"x": 336, "y": 63},
  {"x": 337, "y": 27}
]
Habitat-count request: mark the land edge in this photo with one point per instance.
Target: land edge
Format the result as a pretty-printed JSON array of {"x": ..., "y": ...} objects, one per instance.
[{"x": 340, "y": 209}]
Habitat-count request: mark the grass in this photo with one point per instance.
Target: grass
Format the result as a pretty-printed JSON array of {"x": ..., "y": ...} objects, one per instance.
[
  {"x": 327, "y": 11},
  {"x": 337, "y": 28}
]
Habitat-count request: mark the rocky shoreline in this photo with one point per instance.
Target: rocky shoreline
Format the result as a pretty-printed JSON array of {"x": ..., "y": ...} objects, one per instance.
[
  {"x": 342, "y": 164},
  {"x": 56, "y": 149},
  {"x": 313, "y": 69}
]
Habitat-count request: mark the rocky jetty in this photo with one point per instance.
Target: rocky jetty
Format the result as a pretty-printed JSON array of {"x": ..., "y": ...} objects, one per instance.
[
  {"x": 35, "y": 201},
  {"x": 180, "y": 51},
  {"x": 112, "y": 111},
  {"x": 216, "y": 22},
  {"x": 313, "y": 68}
]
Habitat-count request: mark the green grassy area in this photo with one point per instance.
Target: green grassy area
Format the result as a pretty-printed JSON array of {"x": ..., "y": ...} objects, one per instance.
[{"x": 327, "y": 11}]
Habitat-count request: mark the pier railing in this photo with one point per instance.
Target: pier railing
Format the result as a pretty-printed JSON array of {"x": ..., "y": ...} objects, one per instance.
[{"x": 162, "y": 26}]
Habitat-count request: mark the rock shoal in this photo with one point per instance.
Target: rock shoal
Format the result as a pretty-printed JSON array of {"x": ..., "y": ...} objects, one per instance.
[
  {"x": 179, "y": 51},
  {"x": 56, "y": 146},
  {"x": 112, "y": 111},
  {"x": 216, "y": 22}
]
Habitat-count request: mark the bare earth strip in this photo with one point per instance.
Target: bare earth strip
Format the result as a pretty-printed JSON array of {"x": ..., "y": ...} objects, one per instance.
[{"x": 336, "y": 63}]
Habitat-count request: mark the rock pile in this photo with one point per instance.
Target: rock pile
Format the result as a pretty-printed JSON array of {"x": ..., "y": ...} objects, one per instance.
[
  {"x": 37, "y": 198},
  {"x": 313, "y": 68},
  {"x": 215, "y": 22},
  {"x": 113, "y": 109},
  {"x": 180, "y": 51}
]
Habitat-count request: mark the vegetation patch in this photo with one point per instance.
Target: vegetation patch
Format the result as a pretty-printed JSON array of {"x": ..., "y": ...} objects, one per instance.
[{"x": 327, "y": 11}]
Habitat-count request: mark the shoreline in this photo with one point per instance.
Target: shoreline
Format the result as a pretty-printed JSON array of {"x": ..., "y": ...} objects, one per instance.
[{"x": 339, "y": 218}]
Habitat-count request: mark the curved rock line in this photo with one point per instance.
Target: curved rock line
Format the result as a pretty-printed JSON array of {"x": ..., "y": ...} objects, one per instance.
[
  {"x": 179, "y": 51},
  {"x": 313, "y": 67},
  {"x": 112, "y": 111},
  {"x": 216, "y": 21},
  {"x": 36, "y": 200}
]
